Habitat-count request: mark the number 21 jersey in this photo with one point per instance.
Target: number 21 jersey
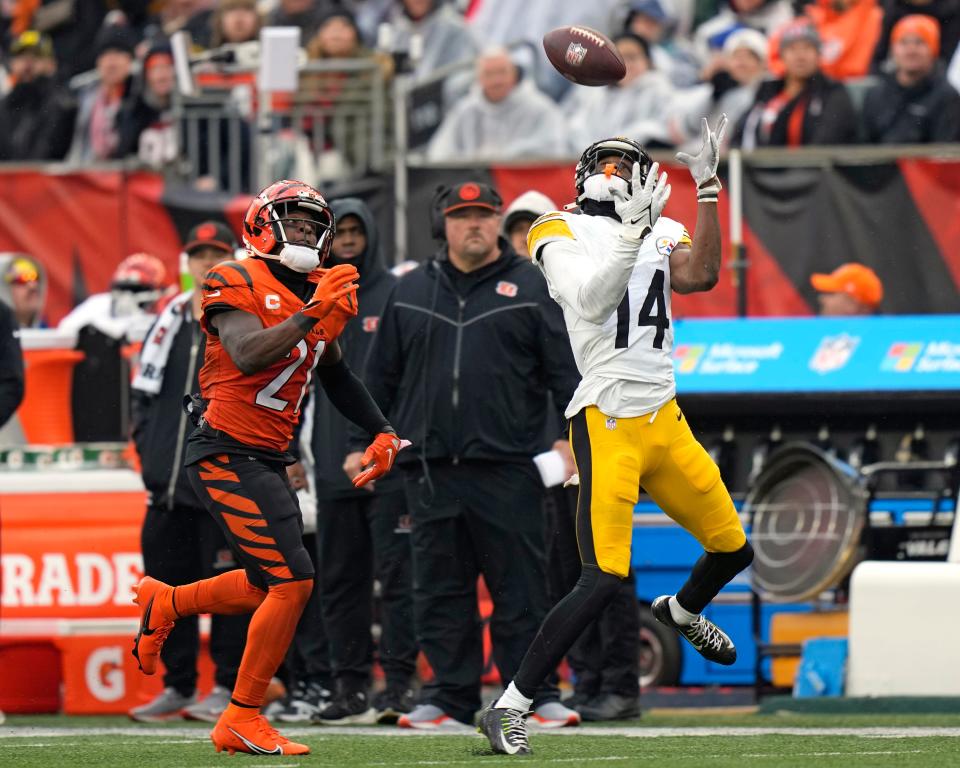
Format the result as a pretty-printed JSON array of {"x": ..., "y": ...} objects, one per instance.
[
  {"x": 262, "y": 408},
  {"x": 626, "y": 362}
]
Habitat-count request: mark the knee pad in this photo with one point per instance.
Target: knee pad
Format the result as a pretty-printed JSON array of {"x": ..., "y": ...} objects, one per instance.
[{"x": 296, "y": 591}]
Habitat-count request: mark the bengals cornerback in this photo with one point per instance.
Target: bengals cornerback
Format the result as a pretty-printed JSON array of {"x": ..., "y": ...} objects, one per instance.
[{"x": 271, "y": 320}]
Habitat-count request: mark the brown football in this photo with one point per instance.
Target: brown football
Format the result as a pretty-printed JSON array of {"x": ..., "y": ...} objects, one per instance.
[{"x": 584, "y": 56}]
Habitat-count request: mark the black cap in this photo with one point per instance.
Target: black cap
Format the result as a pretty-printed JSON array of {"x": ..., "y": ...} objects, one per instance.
[
  {"x": 115, "y": 37},
  {"x": 472, "y": 194},
  {"x": 211, "y": 234},
  {"x": 33, "y": 42}
]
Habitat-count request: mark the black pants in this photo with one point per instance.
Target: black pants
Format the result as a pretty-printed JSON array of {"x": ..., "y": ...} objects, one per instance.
[
  {"x": 309, "y": 656},
  {"x": 606, "y": 658},
  {"x": 360, "y": 539},
  {"x": 480, "y": 518},
  {"x": 180, "y": 546}
]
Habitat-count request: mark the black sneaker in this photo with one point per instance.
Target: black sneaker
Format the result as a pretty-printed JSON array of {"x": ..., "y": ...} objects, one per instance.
[
  {"x": 390, "y": 703},
  {"x": 710, "y": 641},
  {"x": 610, "y": 706},
  {"x": 307, "y": 700},
  {"x": 347, "y": 709},
  {"x": 506, "y": 730}
]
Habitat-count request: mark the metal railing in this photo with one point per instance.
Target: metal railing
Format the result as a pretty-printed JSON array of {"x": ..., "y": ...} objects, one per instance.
[{"x": 236, "y": 139}]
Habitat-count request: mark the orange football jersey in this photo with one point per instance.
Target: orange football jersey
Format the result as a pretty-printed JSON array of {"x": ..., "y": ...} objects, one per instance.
[{"x": 260, "y": 409}]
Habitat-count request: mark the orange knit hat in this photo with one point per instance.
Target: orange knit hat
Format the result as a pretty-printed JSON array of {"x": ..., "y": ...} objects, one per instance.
[{"x": 924, "y": 27}]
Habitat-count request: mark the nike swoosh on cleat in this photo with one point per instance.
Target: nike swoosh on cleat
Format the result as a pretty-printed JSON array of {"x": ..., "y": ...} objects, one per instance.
[
  {"x": 145, "y": 624},
  {"x": 257, "y": 750}
]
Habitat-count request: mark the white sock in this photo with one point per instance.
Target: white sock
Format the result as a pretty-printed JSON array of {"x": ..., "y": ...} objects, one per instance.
[
  {"x": 681, "y": 615},
  {"x": 513, "y": 699}
]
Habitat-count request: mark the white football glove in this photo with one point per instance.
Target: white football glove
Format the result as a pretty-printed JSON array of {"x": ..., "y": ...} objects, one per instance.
[
  {"x": 703, "y": 165},
  {"x": 640, "y": 210}
]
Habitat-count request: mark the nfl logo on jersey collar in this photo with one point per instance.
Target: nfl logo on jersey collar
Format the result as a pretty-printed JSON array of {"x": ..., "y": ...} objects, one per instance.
[
  {"x": 611, "y": 423},
  {"x": 506, "y": 289}
]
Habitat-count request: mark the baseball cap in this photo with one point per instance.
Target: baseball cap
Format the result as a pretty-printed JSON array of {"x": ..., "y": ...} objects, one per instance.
[
  {"x": 855, "y": 280},
  {"x": 211, "y": 234},
  {"x": 650, "y": 8},
  {"x": 472, "y": 194},
  {"x": 797, "y": 30},
  {"x": 32, "y": 41}
]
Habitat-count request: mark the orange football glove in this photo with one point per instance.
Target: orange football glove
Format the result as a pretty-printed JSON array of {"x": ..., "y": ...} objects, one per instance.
[
  {"x": 334, "y": 284},
  {"x": 382, "y": 452}
]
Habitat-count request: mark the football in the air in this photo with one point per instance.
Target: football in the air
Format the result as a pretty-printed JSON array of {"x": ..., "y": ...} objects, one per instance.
[{"x": 584, "y": 56}]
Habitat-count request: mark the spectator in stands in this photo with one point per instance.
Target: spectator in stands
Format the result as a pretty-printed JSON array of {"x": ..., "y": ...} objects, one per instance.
[
  {"x": 635, "y": 107},
  {"x": 11, "y": 365},
  {"x": 762, "y": 15},
  {"x": 306, "y": 14},
  {"x": 730, "y": 90},
  {"x": 95, "y": 136},
  {"x": 804, "y": 107},
  {"x": 24, "y": 288},
  {"x": 915, "y": 104},
  {"x": 849, "y": 31},
  {"x": 427, "y": 35},
  {"x": 193, "y": 16},
  {"x": 520, "y": 214},
  {"x": 945, "y": 12},
  {"x": 673, "y": 56},
  {"x": 234, "y": 22},
  {"x": 338, "y": 37},
  {"x": 851, "y": 289},
  {"x": 503, "y": 117},
  {"x": 180, "y": 540},
  {"x": 145, "y": 124},
  {"x": 72, "y": 27},
  {"x": 36, "y": 116}
]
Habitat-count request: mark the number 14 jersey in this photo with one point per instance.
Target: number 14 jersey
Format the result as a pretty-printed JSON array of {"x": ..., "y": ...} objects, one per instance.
[{"x": 625, "y": 362}]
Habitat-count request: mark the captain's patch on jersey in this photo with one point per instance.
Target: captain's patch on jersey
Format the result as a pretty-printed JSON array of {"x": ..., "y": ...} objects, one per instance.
[
  {"x": 665, "y": 245},
  {"x": 507, "y": 289}
]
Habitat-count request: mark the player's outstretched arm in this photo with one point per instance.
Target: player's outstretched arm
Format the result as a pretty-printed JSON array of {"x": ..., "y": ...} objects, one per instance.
[
  {"x": 594, "y": 291},
  {"x": 697, "y": 268},
  {"x": 253, "y": 347}
]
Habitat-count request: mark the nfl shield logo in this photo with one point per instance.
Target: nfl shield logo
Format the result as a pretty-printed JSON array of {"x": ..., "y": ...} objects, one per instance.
[
  {"x": 833, "y": 353},
  {"x": 611, "y": 423},
  {"x": 575, "y": 55},
  {"x": 370, "y": 323},
  {"x": 506, "y": 289}
]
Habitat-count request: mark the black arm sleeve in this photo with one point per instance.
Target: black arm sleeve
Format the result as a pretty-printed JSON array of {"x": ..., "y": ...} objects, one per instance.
[
  {"x": 11, "y": 365},
  {"x": 351, "y": 398}
]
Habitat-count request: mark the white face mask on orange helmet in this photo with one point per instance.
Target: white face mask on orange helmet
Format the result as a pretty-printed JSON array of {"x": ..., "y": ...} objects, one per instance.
[{"x": 268, "y": 217}]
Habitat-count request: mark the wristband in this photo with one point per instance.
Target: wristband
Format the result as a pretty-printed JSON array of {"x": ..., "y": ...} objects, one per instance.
[{"x": 709, "y": 191}]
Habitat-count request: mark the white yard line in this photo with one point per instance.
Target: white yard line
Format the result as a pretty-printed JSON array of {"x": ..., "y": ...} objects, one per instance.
[{"x": 321, "y": 732}]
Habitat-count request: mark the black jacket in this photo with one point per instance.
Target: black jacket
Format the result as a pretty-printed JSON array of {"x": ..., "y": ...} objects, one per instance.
[
  {"x": 11, "y": 365},
  {"x": 927, "y": 112},
  {"x": 828, "y": 115},
  {"x": 329, "y": 440},
  {"x": 481, "y": 350},
  {"x": 160, "y": 424},
  {"x": 36, "y": 121}
]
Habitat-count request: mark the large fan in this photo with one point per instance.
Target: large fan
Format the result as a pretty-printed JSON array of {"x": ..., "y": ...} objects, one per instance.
[{"x": 807, "y": 512}]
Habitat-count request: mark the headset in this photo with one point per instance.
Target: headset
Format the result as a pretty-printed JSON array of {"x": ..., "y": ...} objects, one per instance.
[{"x": 437, "y": 204}]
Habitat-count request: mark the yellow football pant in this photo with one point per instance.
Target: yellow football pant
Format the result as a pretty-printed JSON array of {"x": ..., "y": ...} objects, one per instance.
[{"x": 658, "y": 452}]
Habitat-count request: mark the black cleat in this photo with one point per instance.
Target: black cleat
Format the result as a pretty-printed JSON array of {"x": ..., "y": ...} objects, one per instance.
[
  {"x": 506, "y": 729},
  {"x": 710, "y": 641}
]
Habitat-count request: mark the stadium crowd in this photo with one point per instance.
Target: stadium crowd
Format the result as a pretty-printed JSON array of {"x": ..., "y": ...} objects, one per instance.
[{"x": 786, "y": 73}]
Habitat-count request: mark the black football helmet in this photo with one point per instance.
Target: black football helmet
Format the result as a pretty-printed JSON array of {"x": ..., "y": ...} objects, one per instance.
[{"x": 588, "y": 165}]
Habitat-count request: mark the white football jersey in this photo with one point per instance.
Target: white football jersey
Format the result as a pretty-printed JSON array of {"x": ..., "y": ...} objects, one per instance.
[{"x": 625, "y": 362}]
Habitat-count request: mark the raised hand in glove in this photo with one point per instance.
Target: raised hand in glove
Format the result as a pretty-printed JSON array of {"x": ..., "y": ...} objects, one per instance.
[
  {"x": 380, "y": 455},
  {"x": 703, "y": 165},
  {"x": 335, "y": 283},
  {"x": 642, "y": 207}
]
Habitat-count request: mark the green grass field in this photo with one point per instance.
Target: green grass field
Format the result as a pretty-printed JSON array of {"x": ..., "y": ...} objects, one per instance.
[{"x": 665, "y": 741}]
